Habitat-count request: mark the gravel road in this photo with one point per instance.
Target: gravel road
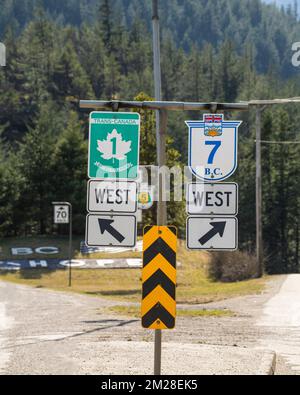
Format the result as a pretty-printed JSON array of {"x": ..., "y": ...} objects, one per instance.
[{"x": 48, "y": 332}]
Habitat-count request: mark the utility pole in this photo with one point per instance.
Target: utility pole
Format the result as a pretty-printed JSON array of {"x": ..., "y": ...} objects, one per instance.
[
  {"x": 161, "y": 125},
  {"x": 70, "y": 243},
  {"x": 259, "y": 238}
]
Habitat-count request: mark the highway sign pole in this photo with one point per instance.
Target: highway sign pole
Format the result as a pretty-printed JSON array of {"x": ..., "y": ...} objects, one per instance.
[
  {"x": 259, "y": 238},
  {"x": 70, "y": 244},
  {"x": 161, "y": 123}
]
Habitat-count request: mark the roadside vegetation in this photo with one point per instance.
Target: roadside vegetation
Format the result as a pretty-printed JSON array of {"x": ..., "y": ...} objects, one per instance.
[
  {"x": 193, "y": 282},
  {"x": 135, "y": 311}
]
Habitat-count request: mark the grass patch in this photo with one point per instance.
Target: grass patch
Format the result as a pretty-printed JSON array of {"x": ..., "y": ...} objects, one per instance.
[
  {"x": 103, "y": 255},
  {"x": 125, "y": 285},
  {"x": 135, "y": 311}
]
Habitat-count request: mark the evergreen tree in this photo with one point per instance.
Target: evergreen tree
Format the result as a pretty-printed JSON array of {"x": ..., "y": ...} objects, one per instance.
[
  {"x": 69, "y": 166},
  {"x": 34, "y": 165}
]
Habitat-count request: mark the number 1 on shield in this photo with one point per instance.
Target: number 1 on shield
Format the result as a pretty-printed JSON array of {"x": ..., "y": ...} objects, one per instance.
[{"x": 114, "y": 148}]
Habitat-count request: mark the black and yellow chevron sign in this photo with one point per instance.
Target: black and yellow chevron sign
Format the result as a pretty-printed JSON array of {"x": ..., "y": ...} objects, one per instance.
[{"x": 159, "y": 277}]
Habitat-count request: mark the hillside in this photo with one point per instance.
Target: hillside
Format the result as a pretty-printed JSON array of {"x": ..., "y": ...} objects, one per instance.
[
  {"x": 268, "y": 30},
  {"x": 216, "y": 50}
]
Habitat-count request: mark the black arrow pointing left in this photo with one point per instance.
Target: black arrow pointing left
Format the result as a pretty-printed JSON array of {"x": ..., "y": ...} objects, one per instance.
[{"x": 106, "y": 226}]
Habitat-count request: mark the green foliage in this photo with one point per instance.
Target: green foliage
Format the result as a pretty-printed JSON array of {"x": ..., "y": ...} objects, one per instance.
[
  {"x": 270, "y": 30},
  {"x": 34, "y": 165},
  {"x": 282, "y": 192},
  {"x": 69, "y": 166},
  {"x": 59, "y": 52}
]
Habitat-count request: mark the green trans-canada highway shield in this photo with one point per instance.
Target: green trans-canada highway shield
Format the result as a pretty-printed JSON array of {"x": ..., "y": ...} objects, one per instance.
[{"x": 114, "y": 145}]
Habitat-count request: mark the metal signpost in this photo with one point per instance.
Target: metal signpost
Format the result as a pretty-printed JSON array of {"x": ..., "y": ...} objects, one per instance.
[
  {"x": 63, "y": 215},
  {"x": 161, "y": 125}
]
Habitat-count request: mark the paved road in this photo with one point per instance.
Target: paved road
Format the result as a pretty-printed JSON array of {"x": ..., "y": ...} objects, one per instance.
[
  {"x": 281, "y": 322},
  {"x": 47, "y": 332},
  {"x": 5, "y": 324}
]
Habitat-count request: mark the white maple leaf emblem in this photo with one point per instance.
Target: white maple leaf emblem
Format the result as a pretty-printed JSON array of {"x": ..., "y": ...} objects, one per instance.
[{"x": 114, "y": 147}]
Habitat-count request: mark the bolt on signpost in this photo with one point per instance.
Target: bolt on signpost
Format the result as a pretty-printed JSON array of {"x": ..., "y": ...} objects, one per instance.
[
  {"x": 63, "y": 215},
  {"x": 161, "y": 124}
]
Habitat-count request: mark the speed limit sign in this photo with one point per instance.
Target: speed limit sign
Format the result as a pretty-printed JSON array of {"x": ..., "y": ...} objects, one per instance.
[{"x": 61, "y": 214}]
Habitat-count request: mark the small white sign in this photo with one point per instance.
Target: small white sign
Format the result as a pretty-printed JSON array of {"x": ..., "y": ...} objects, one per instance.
[
  {"x": 205, "y": 233},
  {"x": 61, "y": 214},
  {"x": 112, "y": 196},
  {"x": 145, "y": 196},
  {"x": 111, "y": 230},
  {"x": 212, "y": 199}
]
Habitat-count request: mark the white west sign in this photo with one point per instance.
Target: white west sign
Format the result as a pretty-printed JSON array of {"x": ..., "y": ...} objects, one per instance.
[
  {"x": 212, "y": 199},
  {"x": 112, "y": 196}
]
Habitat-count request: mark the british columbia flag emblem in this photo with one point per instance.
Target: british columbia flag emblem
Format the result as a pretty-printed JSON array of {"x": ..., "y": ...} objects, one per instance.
[{"x": 213, "y": 125}]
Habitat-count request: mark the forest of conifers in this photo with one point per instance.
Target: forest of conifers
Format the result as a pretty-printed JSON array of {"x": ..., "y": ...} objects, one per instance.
[{"x": 223, "y": 50}]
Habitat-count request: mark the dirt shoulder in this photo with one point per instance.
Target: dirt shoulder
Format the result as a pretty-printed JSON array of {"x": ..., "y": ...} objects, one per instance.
[{"x": 57, "y": 332}]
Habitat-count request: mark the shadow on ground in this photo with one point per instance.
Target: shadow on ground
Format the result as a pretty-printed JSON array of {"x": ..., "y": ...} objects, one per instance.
[{"x": 115, "y": 292}]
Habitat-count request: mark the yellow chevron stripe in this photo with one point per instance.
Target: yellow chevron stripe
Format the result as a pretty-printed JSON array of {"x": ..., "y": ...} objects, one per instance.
[
  {"x": 170, "y": 238},
  {"x": 159, "y": 262},
  {"x": 166, "y": 234},
  {"x": 161, "y": 296},
  {"x": 155, "y": 325}
]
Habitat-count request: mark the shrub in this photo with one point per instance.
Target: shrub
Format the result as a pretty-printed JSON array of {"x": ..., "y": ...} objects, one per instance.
[{"x": 232, "y": 266}]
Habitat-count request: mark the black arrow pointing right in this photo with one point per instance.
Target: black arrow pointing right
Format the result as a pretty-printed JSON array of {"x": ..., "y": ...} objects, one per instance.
[
  {"x": 217, "y": 228},
  {"x": 105, "y": 226}
]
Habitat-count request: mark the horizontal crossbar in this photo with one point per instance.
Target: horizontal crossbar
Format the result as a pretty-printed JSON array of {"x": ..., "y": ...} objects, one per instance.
[{"x": 162, "y": 105}]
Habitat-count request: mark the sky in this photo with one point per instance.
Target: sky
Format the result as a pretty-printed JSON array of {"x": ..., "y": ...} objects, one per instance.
[{"x": 282, "y": 2}]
